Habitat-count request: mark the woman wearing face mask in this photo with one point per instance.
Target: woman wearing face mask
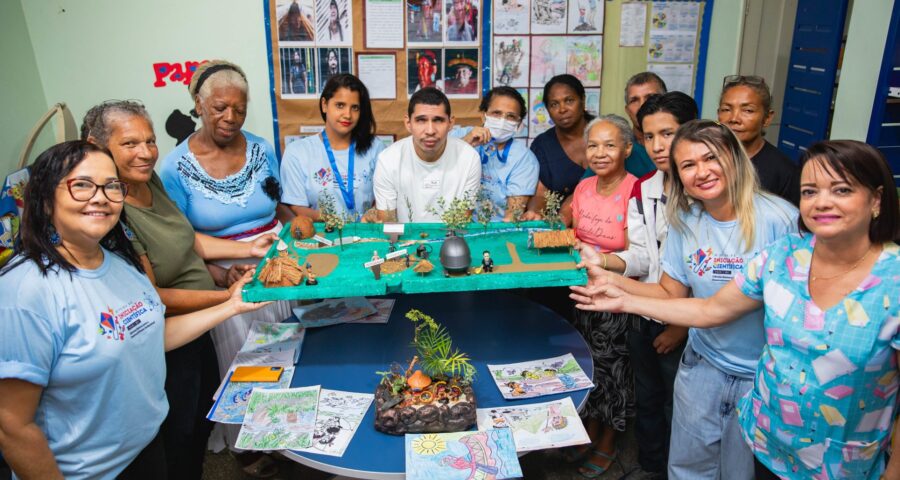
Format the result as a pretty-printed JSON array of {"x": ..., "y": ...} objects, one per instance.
[
  {"x": 340, "y": 161},
  {"x": 509, "y": 170}
]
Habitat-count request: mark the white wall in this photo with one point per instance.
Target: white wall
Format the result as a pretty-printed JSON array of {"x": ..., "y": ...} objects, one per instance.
[
  {"x": 724, "y": 52},
  {"x": 88, "y": 51}
]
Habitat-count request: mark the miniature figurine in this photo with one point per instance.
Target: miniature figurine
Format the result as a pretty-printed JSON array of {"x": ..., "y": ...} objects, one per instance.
[
  {"x": 375, "y": 255},
  {"x": 423, "y": 250},
  {"x": 310, "y": 276},
  {"x": 376, "y": 269},
  {"x": 487, "y": 264}
]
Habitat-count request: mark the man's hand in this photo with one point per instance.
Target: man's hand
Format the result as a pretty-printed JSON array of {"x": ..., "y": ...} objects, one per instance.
[{"x": 670, "y": 339}]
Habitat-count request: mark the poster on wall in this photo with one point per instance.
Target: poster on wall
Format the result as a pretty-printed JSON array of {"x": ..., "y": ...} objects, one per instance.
[
  {"x": 461, "y": 70},
  {"x": 511, "y": 17},
  {"x": 633, "y": 24},
  {"x": 583, "y": 58},
  {"x": 298, "y": 76},
  {"x": 548, "y": 59},
  {"x": 671, "y": 47},
  {"x": 679, "y": 77},
  {"x": 511, "y": 60},
  {"x": 333, "y": 23},
  {"x": 423, "y": 69},
  {"x": 675, "y": 16},
  {"x": 296, "y": 22},
  {"x": 585, "y": 16},
  {"x": 548, "y": 16},
  {"x": 383, "y": 12},
  {"x": 539, "y": 119},
  {"x": 462, "y": 22},
  {"x": 423, "y": 22},
  {"x": 592, "y": 101},
  {"x": 333, "y": 61},
  {"x": 379, "y": 73}
]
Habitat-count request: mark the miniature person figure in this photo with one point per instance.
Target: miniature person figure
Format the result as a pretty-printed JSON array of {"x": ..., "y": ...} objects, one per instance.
[
  {"x": 376, "y": 269},
  {"x": 310, "y": 276},
  {"x": 487, "y": 264},
  {"x": 375, "y": 255}
]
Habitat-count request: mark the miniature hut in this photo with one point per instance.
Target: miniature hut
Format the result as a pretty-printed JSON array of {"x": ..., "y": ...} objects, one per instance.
[{"x": 552, "y": 239}]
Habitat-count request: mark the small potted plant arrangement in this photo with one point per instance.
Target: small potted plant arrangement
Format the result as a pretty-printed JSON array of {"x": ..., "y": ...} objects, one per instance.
[{"x": 434, "y": 392}]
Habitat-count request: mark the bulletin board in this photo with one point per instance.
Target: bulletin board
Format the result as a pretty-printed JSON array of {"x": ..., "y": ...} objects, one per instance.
[{"x": 298, "y": 114}]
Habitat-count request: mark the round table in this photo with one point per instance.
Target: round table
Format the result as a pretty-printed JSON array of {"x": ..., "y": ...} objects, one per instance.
[{"x": 492, "y": 327}]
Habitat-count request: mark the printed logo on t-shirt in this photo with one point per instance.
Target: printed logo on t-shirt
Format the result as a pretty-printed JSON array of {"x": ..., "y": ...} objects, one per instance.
[
  {"x": 719, "y": 267},
  {"x": 432, "y": 184},
  {"x": 114, "y": 324}
]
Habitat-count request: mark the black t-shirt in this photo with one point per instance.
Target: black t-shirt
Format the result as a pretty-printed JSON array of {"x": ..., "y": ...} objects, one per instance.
[{"x": 778, "y": 174}]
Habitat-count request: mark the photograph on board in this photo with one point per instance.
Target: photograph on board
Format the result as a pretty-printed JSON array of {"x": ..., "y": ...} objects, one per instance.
[
  {"x": 511, "y": 60},
  {"x": 461, "y": 72},
  {"x": 333, "y": 61},
  {"x": 333, "y": 20},
  {"x": 583, "y": 58},
  {"x": 585, "y": 16},
  {"x": 423, "y": 69},
  {"x": 462, "y": 22},
  {"x": 511, "y": 17},
  {"x": 548, "y": 59},
  {"x": 548, "y": 16},
  {"x": 296, "y": 21},
  {"x": 298, "y": 79},
  {"x": 423, "y": 22}
]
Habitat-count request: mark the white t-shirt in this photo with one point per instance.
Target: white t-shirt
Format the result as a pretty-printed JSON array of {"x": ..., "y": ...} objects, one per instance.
[{"x": 402, "y": 179}]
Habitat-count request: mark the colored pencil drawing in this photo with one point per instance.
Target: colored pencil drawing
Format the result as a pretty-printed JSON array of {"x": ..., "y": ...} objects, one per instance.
[
  {"x": 278, "y": 419},
  {"x": 274, "y": 337},
  {"x": 537, "y": 426},
  {"x": 330, "y": 312},
  {"x": 523, "y": 128},
  {"x": 511, "y": 61},
  {"x": 489, "y": 454},
  {"x": 539, "y": 120},
  {"x": 592, "y": 101},
  {"x": 548, "y": 16},
  {"x": 231, "y": 404},
  {"x": 540, "y": 377},
  {"x": 585, "y": 16},
  {"x": 548, "y": 59},
  {"x": 338, "y": 417},
  {"x": 384, "y": 307},
  {"x": 511, "y": 17},
  {"x": 584, "y": 59}
]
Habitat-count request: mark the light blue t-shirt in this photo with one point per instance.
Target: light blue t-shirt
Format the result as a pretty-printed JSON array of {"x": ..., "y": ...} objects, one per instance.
[
  {"x": 306, "y": 172},
  {"x": 706, "y": 256},
  {"x": 226, "y": 206},
  {"x": 94, "y": 341},
  {"x": 517, "y": 175}
]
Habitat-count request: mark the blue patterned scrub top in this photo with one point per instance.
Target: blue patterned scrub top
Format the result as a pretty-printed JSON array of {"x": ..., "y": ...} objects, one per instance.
[{"x": 823, "y": 400}]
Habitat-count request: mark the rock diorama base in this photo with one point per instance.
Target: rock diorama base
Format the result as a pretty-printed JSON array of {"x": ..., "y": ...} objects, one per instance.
[{"x": 442, "y": 407}]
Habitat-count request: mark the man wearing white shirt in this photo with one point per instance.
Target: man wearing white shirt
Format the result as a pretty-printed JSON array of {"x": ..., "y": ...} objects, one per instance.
[{"x": 413, "y": 173}]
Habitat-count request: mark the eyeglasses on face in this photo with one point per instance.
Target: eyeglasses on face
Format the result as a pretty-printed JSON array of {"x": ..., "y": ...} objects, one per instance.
[
  {"x": 743, "y": 79},
  {"x": 82, "y": 190},
  {"x": 510, "y": 117}
]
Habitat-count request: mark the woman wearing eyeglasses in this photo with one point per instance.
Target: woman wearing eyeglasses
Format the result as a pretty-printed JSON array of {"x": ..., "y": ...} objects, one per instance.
[
  {"x": 509, "y": 170},
  {"x": 84, "y": 332},
  {"x": 745, "y": 106}
]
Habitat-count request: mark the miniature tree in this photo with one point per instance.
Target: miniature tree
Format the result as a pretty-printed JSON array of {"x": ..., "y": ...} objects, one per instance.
[
  {"x": 455, "y": 216},
  {"x": 551, "y": 209},
  {"x": 333, "y": 219},
  {"x": 516, "y": 211},
  {"x": 435, "y": 351},
  {"x": 485, "y": 207},
  {"x": 409, "y": 210}
]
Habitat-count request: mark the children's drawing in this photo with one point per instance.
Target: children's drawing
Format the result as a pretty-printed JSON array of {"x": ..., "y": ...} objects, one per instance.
[
  {"x": 584, "y": 58},
  {"x": 330, "y": 312},
  {"x": 277, "y": 359},
  {"x": 540, "y": 377},
  {"x": 523, "y": 128},
  {"x": 511, "y": 61},
  {"x": 511, "y": 17},
  {"x": 548, "y": 59},
  {"x": 592, "y": 101},
  {"x": 383, "y": 307},
  {"x": 274, "y": 337},
  {"x": 231, "y": 404},
  {"x": 489, "y": 454},
  {"x": 278, "y": 419},
  {"x": 548, "y": 16},
  {"x": 537, "y": 426},
  {"x": 585, "y": 16},
  {"x": 338, "y": 417},
  {"x": 538, "y": 117}
]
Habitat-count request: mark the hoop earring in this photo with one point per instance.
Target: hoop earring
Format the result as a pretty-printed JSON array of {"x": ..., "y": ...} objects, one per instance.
[{"x": 54, "y": 237}]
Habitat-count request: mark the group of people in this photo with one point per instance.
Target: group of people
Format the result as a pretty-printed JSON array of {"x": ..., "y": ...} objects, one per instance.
[{"x": 787, "y": 369}]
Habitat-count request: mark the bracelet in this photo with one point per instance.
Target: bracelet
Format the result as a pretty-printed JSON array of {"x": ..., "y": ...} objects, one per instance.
[{"x": 603, "y": 256}]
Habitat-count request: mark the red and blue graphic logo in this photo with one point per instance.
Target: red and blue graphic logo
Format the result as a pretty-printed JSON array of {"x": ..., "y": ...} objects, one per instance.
[{"x": 110, "y": 327}]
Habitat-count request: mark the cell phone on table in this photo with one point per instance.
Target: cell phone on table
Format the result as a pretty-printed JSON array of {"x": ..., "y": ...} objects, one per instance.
[{"x": 256, "y": 374}]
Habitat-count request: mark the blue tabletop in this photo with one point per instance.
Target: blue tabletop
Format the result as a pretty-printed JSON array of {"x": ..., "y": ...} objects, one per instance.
[{"x": 492, "y": 327}]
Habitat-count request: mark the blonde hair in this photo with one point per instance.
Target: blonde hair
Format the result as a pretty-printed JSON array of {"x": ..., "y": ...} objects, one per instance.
[
  {"x": 226, "y": 74},
  {"x": 741, "y": 181}
]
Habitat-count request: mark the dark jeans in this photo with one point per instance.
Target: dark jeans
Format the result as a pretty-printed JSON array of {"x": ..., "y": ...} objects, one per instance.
[
  {"x": 150, "y": 464},
  {"x": 192, "y": 376},
  {"x": 763, "y": 473},
  {"x": 654, "y": 379}
]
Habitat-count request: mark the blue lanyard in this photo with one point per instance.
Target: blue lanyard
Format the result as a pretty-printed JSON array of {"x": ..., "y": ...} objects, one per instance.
[
  {"x": 346, "y": 192},
  {"x": 485, "y": 156}
]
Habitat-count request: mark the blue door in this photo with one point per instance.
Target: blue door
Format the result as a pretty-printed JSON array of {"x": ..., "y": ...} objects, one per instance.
[{"x": 809, "y": 92}]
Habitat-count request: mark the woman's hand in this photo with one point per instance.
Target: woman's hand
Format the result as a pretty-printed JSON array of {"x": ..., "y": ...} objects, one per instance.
[
  {"x": 531, "y": 215},
  {"x": 236, "y": 300},
  {"x": 600, "y": 298},
  {"x": 236, "y": 272},
  {"x": 260, "y": 246},
  {"x": 478, "y": 136},
  {"x": 669, "y": 339}
]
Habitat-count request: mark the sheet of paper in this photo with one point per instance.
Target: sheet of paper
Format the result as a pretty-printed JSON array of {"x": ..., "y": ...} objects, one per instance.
[
  {"x": 537, "y": 426},
  {"x": 334, "y": 311},
  {"x": 274, "y": 337},
  {"x": 675, "y": 16},
  {"x": 511, "y": 17},
  {"x": 671, "y": 47},
  {"x": 384, "y": 307},
  {"x": 511, "y": 61},
  {"x": 338, "y": 417},
  {"x": 278, "y": 419},
  {"x": 633, "y": 24},
  {"x": 231, "y": 404},
  {"x": 540, "y": 377},
  {"x": 283, "y": 358},
  {"x": 460, "y": 455},
  {"x": 548, "y": 16},
  {"x": 584, "y": 58},
  {"x": 379, "y": 73},
  {"x": 678, "y": 76},
  {"x": 378, "y": 14},
  {"x": 585, "y": 16}
]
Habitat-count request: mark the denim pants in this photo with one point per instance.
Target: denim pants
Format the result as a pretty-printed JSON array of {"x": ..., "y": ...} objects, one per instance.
[
  {"x": 706, "y": 441},
  {"x": 654, "y": 379}
]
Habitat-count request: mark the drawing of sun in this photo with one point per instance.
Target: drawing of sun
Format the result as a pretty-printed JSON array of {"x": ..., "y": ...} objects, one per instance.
[{"x": 429, "y": 445}]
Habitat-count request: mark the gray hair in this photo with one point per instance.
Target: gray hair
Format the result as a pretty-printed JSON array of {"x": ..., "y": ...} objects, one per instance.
[
  {"x": 642, "y": 78},
  {"x": 231, "y": 77},
  {"x": 97, "y": 121},
  {"x": 620, "y": 123}
]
